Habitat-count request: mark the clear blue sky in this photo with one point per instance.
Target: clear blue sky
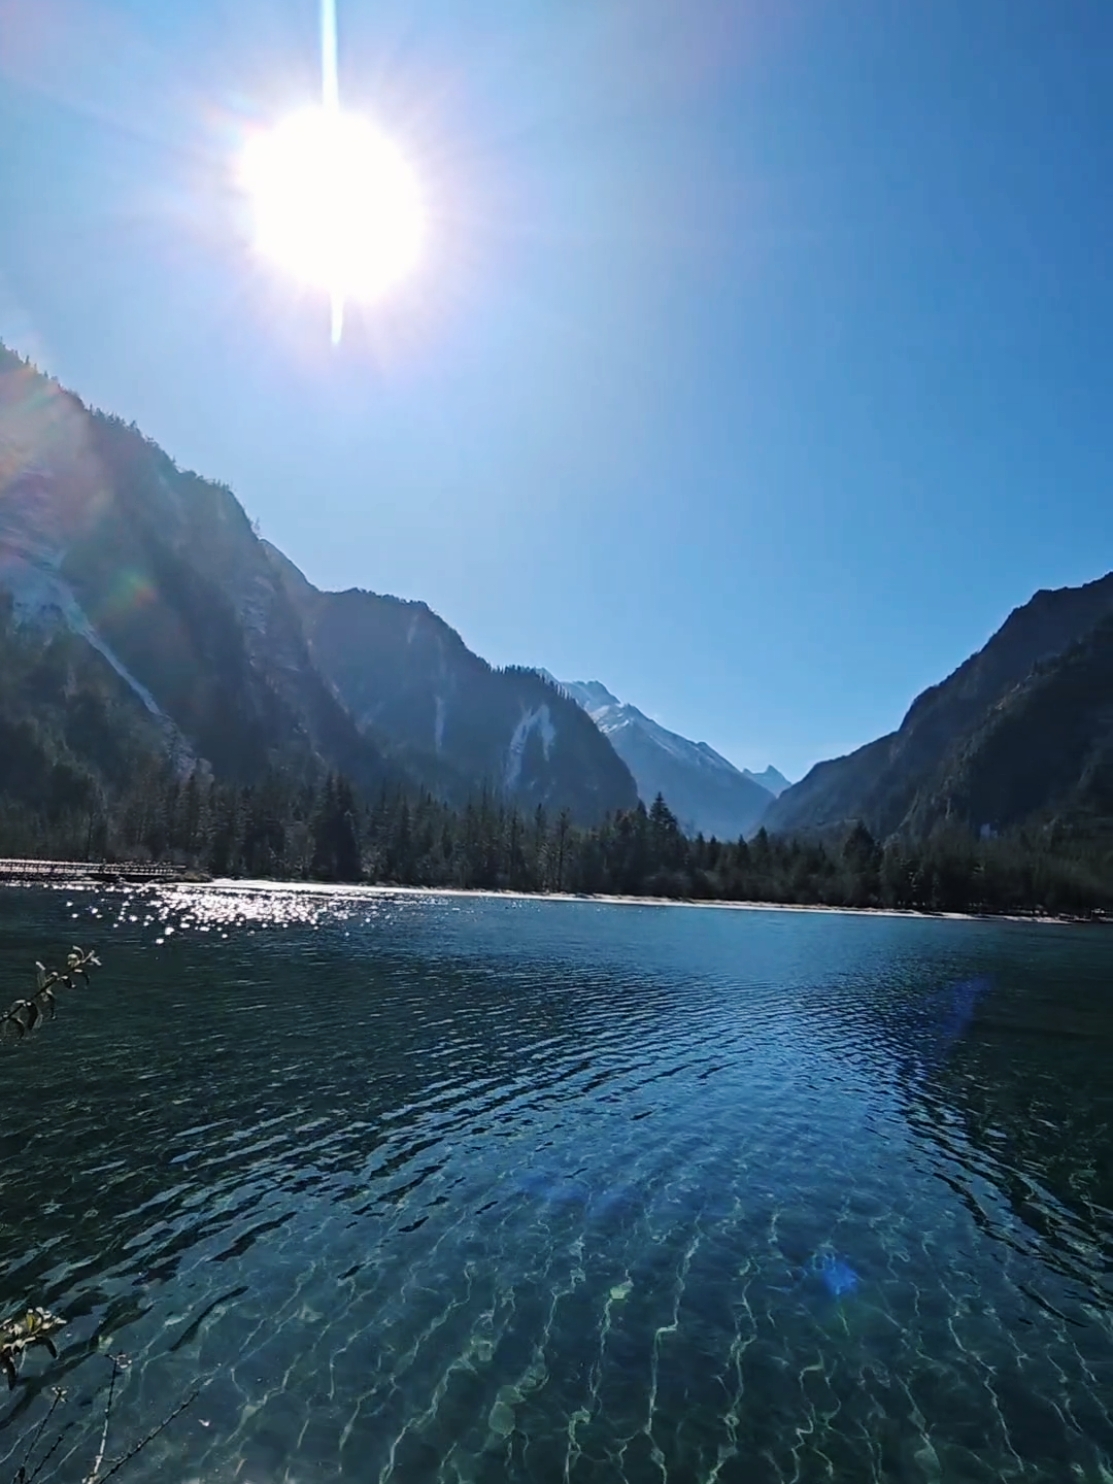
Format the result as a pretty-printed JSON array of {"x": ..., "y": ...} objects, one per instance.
[{"x": 761, "y": 362}]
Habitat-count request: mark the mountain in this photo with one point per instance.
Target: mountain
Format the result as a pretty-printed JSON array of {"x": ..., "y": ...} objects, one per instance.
[
  {"x": 1044, "y": 753},
  {"x": 407, "y": 677},
  {"x": 771, "y": 779},
  {"x": 146, "y": 586},
  {"x": 707, "y": 794},
  {"x": 1018, "y": 730},
  {"x": 143, "y": 622}
]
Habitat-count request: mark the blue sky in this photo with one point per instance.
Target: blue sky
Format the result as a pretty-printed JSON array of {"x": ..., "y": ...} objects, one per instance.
[{"x": 759, "y": 365}]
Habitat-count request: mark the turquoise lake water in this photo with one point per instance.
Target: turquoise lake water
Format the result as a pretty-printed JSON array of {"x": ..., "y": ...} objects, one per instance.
[{"x": 455, "y": 1188}]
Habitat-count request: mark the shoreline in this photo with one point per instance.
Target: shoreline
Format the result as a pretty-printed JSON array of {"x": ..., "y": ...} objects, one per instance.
[
  {"x": 227, "y": 883},
  {"x": 381, "y": 889}
]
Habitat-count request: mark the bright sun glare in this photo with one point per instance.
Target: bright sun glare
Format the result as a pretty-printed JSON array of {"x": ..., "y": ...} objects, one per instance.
[{"x": 335, "y": 204}]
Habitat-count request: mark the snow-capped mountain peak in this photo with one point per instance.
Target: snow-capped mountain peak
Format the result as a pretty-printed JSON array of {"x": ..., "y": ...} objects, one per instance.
[{"x": 708, "y": 794}]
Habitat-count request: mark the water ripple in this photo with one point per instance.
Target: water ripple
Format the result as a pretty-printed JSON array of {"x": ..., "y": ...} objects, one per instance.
[{"x": 435, "y": 1188}]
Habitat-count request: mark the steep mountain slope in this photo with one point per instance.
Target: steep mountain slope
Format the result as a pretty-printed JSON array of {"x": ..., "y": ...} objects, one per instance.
[
  {"x": 1044, "y": 752},
  {"x": 707, "y": 794},
  {"x": 156, "y": 576},
  {"x": 403, "y": 672},
  {"x": 910, "y": 779}
]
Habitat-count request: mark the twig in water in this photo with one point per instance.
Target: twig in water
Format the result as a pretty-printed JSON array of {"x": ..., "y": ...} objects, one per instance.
[
  {"x": 118, "y": 1363},
  {"x": 49, "y": 1454},
  {"x": 138, "y": 1448},
  {"x": 21, "y": 1475}
]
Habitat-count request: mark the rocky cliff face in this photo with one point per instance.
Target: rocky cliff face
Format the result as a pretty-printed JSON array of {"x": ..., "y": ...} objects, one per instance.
[
  {"x": 993, "y": 715},
  {"x": 708, "y": 794},
  {"x": 410, "y": 680}
]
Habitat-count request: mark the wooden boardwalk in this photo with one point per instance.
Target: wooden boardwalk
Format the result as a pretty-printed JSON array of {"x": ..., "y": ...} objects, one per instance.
[{"x": 33, "y": 870}]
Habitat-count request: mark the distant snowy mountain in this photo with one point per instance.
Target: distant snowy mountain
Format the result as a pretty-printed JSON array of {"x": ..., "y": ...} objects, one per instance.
[
  {"x": 707, "y": 794},
  {"x": 770, "y": 778}
]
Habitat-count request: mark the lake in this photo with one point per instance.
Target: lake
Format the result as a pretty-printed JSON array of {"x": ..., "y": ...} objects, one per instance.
[{"x": 458, "y": 1188}]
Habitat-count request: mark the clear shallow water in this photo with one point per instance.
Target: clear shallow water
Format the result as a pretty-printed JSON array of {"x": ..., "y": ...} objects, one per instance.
[{"x": 479, "y": 1189}]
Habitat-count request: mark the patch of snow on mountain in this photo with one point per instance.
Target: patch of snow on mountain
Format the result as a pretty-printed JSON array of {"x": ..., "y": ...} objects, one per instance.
[
  {"x": 593, "y": 697},
  {"x": 548, "y": 731},
  {"x": 537, "y": 719},
  {"x": 41, "y": 595},
  {"x": 612, "y": 717}
]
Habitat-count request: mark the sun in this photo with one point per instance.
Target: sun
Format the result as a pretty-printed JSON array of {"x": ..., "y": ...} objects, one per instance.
[{"x": 335, "y": 204}]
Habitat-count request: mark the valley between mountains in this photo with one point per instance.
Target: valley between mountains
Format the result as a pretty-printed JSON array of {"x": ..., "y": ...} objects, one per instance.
[{"x": 146, "y": 629}]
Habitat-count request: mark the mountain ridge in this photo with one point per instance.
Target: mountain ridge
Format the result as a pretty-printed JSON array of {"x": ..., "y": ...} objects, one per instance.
[{"x": 770, "y": 778}]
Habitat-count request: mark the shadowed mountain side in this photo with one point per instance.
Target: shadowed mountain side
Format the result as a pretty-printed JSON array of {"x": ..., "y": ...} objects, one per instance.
[
  {"x": 402, "y": 671},
  {"x": 910, "y": 780},
  {"x": 224, "y": 656},
  {"x": 159, "y": 574},
  {"x": 1045, "y": 751}
]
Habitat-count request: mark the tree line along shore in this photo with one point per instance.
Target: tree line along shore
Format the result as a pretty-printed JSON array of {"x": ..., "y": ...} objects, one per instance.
[{"x": 287, "y": 829}]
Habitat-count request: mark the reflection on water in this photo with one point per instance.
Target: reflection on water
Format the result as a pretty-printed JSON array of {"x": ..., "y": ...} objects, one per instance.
[{"x": 491, "y": 1189}]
